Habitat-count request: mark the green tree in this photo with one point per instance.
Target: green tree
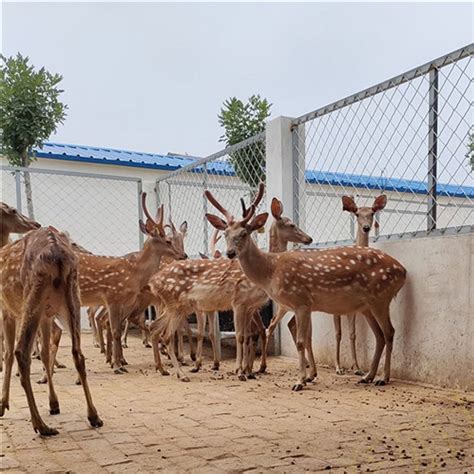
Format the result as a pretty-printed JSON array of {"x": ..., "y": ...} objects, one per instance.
[
  {"x": 30, "y": 111},
  {"x": 241, "y": 121}
]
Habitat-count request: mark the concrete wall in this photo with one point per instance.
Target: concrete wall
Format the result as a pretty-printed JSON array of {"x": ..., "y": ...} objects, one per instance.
[{"x": 433, "y": 316}]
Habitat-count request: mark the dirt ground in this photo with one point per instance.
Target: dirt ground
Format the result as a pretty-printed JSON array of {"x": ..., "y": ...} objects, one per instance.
[{"x": 217, "y": 424}]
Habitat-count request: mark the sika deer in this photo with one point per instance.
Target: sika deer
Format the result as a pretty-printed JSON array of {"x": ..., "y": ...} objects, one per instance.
[
  {"x": 116, "y": 282},
  {"x": 336, "y": 281},
  {"x": 39, "y": 277},
  {"x": 11, "y": 222},
  {"x": 365, "y": 219}
]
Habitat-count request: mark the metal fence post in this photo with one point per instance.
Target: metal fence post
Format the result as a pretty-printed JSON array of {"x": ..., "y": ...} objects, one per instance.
[
  {"x": 18, "y": 190},
  {"x": 140, "y": 212},
  {"x": 204, "y": 208},
  {"x": 432, "y": 149}
]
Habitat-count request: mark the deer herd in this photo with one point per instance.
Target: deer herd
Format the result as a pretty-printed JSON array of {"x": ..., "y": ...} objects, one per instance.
[{"x": 45, "y": 278}]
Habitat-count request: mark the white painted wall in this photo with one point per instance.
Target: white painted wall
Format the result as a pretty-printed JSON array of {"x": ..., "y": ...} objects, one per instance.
[{"x": 433, "y": 316}]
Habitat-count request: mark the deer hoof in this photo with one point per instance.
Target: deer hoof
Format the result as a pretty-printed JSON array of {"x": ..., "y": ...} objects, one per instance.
[
  {"x": 297, "y": 387},
  {"x": 124, "y": 345},
  {"x": 46, "y": 431},
  {"x": 380, "y": 382},
  {"x": 185, "y": 379},
  {"x": 193, "y": 357},
  {"x": 262, "y": 369},
  {"x": 95, "y": 421},
  {"x": 123, "y": 369},
  {"x": 340, "y": 371},
  {"x": 251, "y": 376},
  {"x": 164, "y": 372},
  {"x": 78, "y": 381},
  {"x": 118, "y": 371},
  {"x": 4, "y": 406},
  {"x": 242, "y": 378},
  {"x": 194, "y": 370},
  {"x": 60, "y": 366},
  {"x": 54, "y": 411},
  {"x": 310, "y": 378},
  {"x": 148, "y": 345},
  {"x": 365, "y": 380},
  {"x": 215, "y": 366},
  {"x": 42, "y": 380},
  {"x": 359, "y": 372}
]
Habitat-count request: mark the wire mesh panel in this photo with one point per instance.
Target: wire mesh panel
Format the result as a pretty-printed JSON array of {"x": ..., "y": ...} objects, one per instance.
[
  {"x": 230, "y": 175},
  {"x": 408, "y": 137},
  {"x": 100, "y": 212}
]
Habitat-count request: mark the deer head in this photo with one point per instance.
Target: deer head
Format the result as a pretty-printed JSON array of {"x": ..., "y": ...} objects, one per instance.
[
  {"x": 364, "y": 215},
  {"x": 237, "y": 233},
  {"x": 14, "y": 222},
  {"x": 177, "y": 237},
  {"x": 157, "y": 240},
  {"x": 284, "y": 228}
]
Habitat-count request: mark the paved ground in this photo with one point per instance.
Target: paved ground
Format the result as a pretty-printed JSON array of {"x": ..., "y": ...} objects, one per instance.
[{"x": 218, "y": 424}]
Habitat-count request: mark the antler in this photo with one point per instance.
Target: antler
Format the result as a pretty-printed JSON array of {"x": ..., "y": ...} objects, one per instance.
[
  {"x": 218, "y": 206},
  {"x": 256, "y": 201},
  {"x": 145, "y": 209},
  {"x": 215, "y": 238}
]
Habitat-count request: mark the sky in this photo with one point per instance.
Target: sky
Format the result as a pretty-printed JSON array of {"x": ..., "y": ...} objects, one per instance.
[{"x": 153, "y": 76}]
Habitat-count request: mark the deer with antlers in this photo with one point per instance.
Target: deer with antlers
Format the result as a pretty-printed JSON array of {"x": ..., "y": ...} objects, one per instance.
[
  {"x": 117, "y": 282},
  {"x": 341, "y": 280},
  {"x": 39, "y": 280}
]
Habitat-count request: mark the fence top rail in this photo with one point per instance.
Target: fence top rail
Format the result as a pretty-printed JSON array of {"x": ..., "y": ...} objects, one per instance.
[
  {"x": 69, "y": 173},
  {"x": 440, "y": 62},
  {"x": 226, "y": 151}
]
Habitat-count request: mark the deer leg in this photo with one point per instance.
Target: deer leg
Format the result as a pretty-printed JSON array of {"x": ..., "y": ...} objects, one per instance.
[
  {"x": 337, "y": 327},
  {"x": 9, "y": 332},
  {"x": 239, "y": 324},
  {"x": 180, "y": 344},
  {"x": 115, "y": 321},
  {"x": 155, "y": 342},
  {"x": 201, "y": 326},
  {"x": 28, "y": 331},
  {"x": 192, "y": 350},
  {"x": 1, "y": 342},
  {"x": 108, "y": 348},
  {"x": 281, "y": 311},
  {"x": 313, "y": 372},
  {"x": 56, "y": 333},
  {"x": 74, "y": 322},
  {"x": 383, "y": 318},
  {"x": 379, "y": 345},
  {"x": 251, "y": 346},
  {"x": 91, "y": 312},
  {"x": 173, "y": 327},
  {"x": 292, "y": 328},
  {"x": 352, "y": 328},
  {"x": 263, "y": 338},
  {"x": 302, "y": 316},
  {"x": 100, "y": 333},
  {"x": 141, "y": 321},
  {"x": 48, "y": 363},
  {"x": 36, "y": 354},
  {"x": 125, "y": 333},
  {"x": 211, "y": 318}
]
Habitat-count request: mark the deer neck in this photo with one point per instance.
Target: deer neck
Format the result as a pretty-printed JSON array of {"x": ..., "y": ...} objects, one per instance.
[
  {"x": 258, "y": 266},
  {"x": 277, "y": 244},
  {"x": 147, "y": 263},
  {"x": 4, "y": 238},
  {"x": 362, "y": 238}
]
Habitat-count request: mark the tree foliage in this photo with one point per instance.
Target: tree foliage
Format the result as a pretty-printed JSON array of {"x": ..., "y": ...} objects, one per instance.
[
  {"x": 30, "y": 109},
  {"x": 470, "y": 150},
  {"x": 242, "y": 121}
]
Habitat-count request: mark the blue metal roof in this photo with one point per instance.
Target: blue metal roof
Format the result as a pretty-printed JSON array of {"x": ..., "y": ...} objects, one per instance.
[{"x": 171, "y": 162}]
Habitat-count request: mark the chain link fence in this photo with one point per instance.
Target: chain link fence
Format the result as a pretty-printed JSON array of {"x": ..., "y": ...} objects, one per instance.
[
  {"x": 230, "y": 174},
  {"x": 408, "y": 137},
  {"x": 100, "y": 212}
]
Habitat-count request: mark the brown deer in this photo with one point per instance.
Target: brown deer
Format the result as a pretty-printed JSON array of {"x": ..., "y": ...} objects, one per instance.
[
  {"x": 116, "y": 282},
  {"x": 12, "y": 222},
  {"x": 341, "y": 280},
  {"x": 39, "y": 278}
]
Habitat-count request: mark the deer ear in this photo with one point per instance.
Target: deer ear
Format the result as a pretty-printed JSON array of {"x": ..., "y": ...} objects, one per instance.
[
  {"x": 348, "y": 204},
  {"x": 276, "y": 208},
  {"x": 183, "y": 228},
  {"x": 216, "y": 222},
  {"x": 258, "y": 222},
  {"x": 379, "y": 203}
]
